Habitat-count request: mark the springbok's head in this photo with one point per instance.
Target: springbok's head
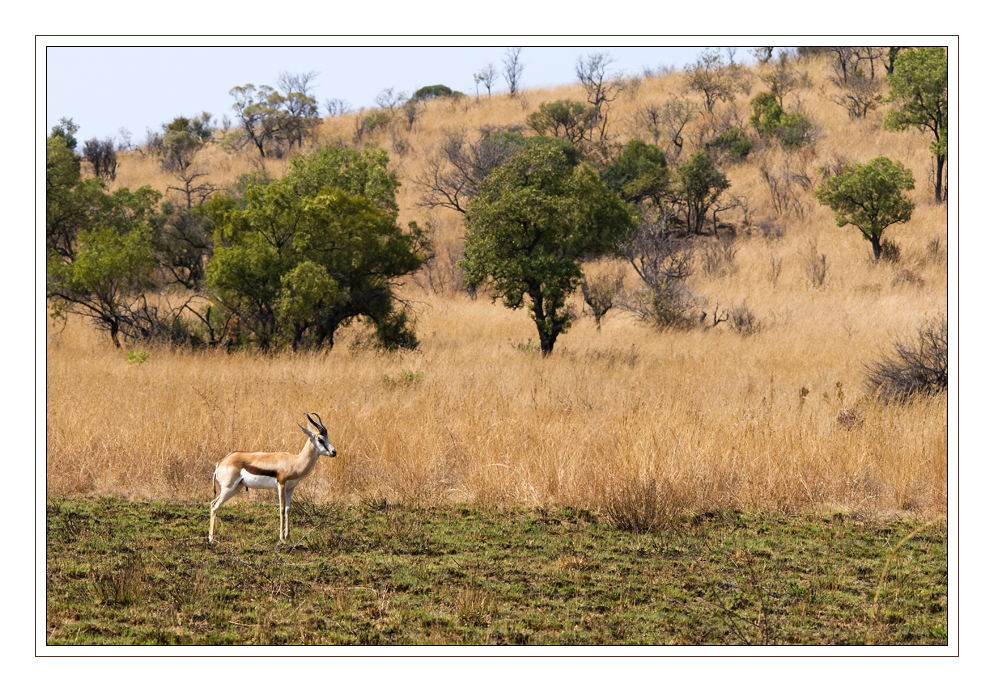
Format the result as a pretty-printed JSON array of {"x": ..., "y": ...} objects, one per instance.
[{"x": 318, "y": 434}]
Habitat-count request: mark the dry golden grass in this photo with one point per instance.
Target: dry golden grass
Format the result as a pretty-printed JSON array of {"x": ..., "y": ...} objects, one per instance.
[{"x": 776, "y": 420}]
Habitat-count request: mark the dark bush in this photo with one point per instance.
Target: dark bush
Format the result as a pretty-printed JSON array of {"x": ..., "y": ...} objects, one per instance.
[
  {"x": 889, "y": 251},
  {"x": 744, "y": 321},
  {"x": 918, "y": 366},
  {"x": 102, "y": 157},
  {"x": 732, "y": 142},
  {"x": 795, "y": 131},
  {"x": 434, "y": 91}
]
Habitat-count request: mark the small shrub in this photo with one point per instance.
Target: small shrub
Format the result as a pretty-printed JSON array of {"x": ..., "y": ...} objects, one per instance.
[
  {"x": 732, "y": 142},
  {"x": 935, "y": 251},
  {"x": 642, "y": 505},
  {"x": 795, "y": 131},
  {"x": 776, "y": 266},
  {"x": 137, "y": 357},
  {"x": 816, "y": 267},
  {"x": 407, "y": 378},
  {"x": 907, "y": 276},
  {"x": 889, "y": 251},
  {"x": 601, "y": 290},
  {"x": 771, "y": 230},
  {"x": 434, "y": 91},
  {"x": 377, "y": 120},
  {"x": 529, "y": 347},
  {"x": 718, "y": 258},
  {"x": 849, "y": 418},
  {"x": 669, "y": 305},
  {"x": 919, "y": 365},
  {"x": 744, "y": 321}
]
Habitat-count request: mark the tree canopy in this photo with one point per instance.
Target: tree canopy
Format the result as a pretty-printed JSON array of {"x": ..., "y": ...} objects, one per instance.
[
  {"x": 100, "y": 252},
  {"x": 639, "y": 174},
  {"x": 302, "y": 256},
  {"x": 869, "y": 196},
  {"x": 532, "y": 221},
  {"x": 919, "y": 88}
]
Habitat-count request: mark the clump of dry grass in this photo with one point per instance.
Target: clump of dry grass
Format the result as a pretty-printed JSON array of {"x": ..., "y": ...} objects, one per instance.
[{"x": 704, "y": 418}]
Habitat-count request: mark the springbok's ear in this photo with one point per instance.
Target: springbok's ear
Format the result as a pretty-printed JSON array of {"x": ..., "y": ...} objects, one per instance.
[{"x": 306, "y": 431}]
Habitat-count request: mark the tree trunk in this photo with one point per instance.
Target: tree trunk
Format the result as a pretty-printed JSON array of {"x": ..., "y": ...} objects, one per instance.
[
  {"x": 546, "y": 339},
  {"x": 875, "y": 241},
  {"x": 940, "y": 162}
]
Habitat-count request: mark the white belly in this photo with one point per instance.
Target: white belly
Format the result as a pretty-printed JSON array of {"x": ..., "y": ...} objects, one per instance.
[{"x": 258, "y": 482}]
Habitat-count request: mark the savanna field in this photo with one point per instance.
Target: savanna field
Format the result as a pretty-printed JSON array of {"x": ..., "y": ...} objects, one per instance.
[{"x": 727, "y": 483}]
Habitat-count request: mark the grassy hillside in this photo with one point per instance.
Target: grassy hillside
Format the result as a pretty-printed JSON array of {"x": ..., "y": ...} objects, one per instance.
[{"x": 710, "y": 419}]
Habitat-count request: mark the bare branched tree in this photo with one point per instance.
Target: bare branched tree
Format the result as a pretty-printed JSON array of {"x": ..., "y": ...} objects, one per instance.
[
  {"x": 454, "y": 173},
  {"x": 845, "y": 61},
  {"x": 601, "y": 289},
  {"x": 663, "y": 262},
  {"x": 656, "y": 254},
  {"x": 336, "y": 106},
  {"x": 783, "y": 78},
  {"x": 859, "y": 95},
  {"x": 487, "y": 75},
  {"x": 513, "y": 67},
  {"x": 715, "y": 79},
  {"x": 389, "y": 99},
  {"x": 601, "y": 87}
]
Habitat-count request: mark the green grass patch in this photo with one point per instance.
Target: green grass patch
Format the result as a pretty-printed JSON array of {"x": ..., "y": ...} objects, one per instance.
[{"x": 123, "y": 572}]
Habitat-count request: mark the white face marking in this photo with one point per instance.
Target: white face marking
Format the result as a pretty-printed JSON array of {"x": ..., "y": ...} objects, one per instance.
[{"x": 325, "y": 447}]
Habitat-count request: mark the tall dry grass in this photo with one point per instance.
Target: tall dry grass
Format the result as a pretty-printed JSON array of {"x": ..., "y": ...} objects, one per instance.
[{"x": 713, "y": 418}]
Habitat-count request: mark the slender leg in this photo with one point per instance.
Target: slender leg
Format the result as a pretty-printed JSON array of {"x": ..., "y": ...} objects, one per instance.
[
  {"x": 216, "y": 505},
  {"x": 286, "y": 511},
  {"x": 281, "y": 490}
]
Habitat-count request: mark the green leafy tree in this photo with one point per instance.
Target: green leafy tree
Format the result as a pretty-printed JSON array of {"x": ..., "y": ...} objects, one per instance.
[
  {"x": 567, "y": 120},
  {"x": 66, "y": 129},
  {"x": 299, "y": 257},
  {"x": 870, "y": 197},
  {"x": 70, "y": 201},
  {"x": 699, "y": 185},
  {"x": 639, "y": 174},
  {"x": 919, "y": 90},
  {"x": 107, "y": 251},
  {"x": 74, "y": 205},
  {"x": 274, "y": 122},
  {"x": 435, "y": 91},
  {"x": 106, "y": 282},
  {"x": 773, "y": 122},
  {"x": 529, "y": 226}
]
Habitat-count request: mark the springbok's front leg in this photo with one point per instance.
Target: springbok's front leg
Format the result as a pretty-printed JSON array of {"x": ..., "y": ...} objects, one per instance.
[{"x": 281, "y": 490}]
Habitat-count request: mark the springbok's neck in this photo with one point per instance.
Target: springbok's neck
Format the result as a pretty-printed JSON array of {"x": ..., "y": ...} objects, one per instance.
[{"x": 309, "y": 452}]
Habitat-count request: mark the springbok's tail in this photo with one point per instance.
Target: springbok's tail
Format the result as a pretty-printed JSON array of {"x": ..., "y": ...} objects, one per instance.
[{"x": 214, "y": 482}]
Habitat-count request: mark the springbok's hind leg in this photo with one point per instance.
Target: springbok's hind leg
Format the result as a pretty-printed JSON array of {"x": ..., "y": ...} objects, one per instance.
[{"x": 216, "y": 503}]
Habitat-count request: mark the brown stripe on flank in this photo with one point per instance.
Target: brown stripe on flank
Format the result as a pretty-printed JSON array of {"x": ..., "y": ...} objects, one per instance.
[{"x": 255, "y": 470}]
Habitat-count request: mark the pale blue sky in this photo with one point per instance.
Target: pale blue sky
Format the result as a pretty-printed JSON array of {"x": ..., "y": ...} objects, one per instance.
[{"x": 104, "y": 88}]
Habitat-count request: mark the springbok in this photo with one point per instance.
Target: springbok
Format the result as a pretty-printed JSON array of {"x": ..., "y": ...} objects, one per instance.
[{"x": 278, "y": 470}]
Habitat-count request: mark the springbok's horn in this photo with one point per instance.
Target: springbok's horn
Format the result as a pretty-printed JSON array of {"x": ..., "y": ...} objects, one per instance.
[{"x": 317, "y": 424}]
